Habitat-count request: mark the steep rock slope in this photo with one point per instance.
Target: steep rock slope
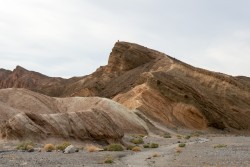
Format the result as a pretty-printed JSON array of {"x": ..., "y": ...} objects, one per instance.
[{"x": 26, "y": 114}]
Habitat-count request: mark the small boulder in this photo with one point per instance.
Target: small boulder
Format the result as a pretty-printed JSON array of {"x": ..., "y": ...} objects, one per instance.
[{"x": 70, "y": 149}]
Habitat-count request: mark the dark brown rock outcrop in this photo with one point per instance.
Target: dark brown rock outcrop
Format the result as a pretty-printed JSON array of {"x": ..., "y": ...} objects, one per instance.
[{"x": 22, "y": 78}]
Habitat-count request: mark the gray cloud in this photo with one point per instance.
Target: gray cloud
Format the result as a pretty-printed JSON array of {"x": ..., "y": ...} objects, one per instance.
[{"x": 74, "y": 37}]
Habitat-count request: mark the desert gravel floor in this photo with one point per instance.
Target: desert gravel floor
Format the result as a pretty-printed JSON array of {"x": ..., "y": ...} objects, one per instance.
[{"x": 219, "y": 151}]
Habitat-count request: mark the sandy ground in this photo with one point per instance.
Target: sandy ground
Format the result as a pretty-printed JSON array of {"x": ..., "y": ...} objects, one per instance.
[{"x": 199, "y": 151}]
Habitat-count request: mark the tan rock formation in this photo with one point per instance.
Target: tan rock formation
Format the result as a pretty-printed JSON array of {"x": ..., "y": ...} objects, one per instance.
[{"x": 29, "y": 115}]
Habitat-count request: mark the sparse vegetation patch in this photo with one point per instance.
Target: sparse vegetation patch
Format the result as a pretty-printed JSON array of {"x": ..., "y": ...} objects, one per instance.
[
  {"x": 220, "y": 146},
  {"x": 182, "y": 145},
  {"x": 146, "y": 145},
  {"x": 109, "y": 160},
  {"x": 154, "y": 145},
  {"x": 114, "y": 147},
  {"x": 92, "y": 148},
  {"x": 187, "y": 137},
  {"x": 26, "y": 146},
  {"x": 136, "y": 149},
  {"x": 178, "y": 136},
  {"x": 137, "y": 140},
  {"x": 49, "y": 147},
  {"x": 62, "y": 146},
  {"x": 130, "y": 147}
]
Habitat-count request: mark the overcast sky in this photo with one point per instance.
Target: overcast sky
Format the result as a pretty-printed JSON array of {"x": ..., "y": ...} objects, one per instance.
[{"x": 74, "y": 37}]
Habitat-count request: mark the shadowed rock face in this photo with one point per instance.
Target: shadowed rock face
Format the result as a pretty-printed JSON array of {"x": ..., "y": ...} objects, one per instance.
[
  {"x": 29, "y": 115},
  {"x": 166, "y": 90}
]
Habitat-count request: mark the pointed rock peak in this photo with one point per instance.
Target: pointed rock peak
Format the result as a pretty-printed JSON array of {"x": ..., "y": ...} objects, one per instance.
[
  {"x": 126, "y": 56},
  {"x": 19, "y": 69}
]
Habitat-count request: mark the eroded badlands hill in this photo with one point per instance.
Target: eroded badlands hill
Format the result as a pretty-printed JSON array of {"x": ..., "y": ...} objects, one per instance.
[
  {"x": 29, "y": 115},
  {"x": 162, "y": 89}
]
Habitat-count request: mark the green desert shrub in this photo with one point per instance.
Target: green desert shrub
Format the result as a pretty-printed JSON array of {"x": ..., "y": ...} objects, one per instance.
[
  {"x": 151, "y": 145},
  {"x": 182, "y": 145},
  {"x": 25, "y": 146},
  {"x": 154, "y": 145},
  {"x": 220, "y": 146},
  {"x": 62, "y": 146},
  {"x": 137, "y": 140},
  {"x": 109, "y": 160},
  {"x": 146, "y": 145},
  {"x": 114, "y": 147},
  {"x": 187, "y": 137}
]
